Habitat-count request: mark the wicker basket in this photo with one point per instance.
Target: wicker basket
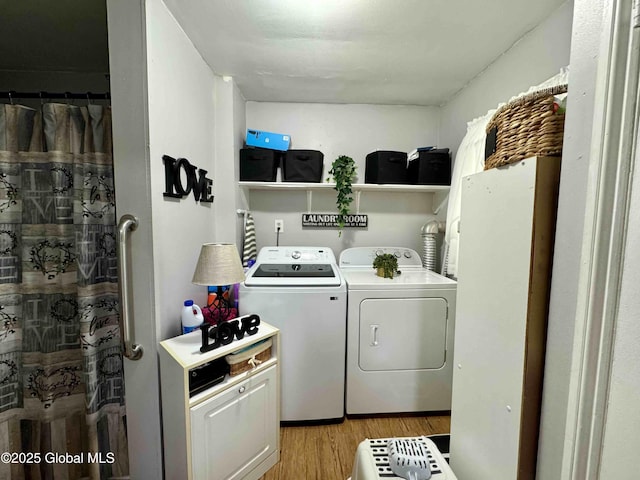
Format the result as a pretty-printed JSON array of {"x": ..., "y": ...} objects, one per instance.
[
  {"x": 249, "y": 358},
  {"x": 526, "y": 127}
]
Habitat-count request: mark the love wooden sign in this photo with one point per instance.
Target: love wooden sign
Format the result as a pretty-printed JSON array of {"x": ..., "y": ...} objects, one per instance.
[
  {"x": 199, "y": 185},
  {"x": 225, "y": 332}
]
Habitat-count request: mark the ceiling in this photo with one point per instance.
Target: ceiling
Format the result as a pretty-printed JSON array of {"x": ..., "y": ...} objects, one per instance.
[{"x": 415, "y": 52}]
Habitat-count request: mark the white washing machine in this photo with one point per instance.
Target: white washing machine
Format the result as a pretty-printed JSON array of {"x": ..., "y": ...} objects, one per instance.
[
  {"x": 300, "y": 290},
  {"x": 399, "y": 334}
]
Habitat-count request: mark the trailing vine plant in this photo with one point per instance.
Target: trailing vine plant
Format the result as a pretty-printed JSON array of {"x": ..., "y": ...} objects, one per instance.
[{"x": 343, "y": 170}]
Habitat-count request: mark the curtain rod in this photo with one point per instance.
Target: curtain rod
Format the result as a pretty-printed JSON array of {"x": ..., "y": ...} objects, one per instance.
[{"x": 47, "y": 95}]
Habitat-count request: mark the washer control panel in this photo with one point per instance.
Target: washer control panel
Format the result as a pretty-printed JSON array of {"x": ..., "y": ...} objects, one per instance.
[
  {"x": 364, "y": 256},
  {"x": 296, "y": 255}
]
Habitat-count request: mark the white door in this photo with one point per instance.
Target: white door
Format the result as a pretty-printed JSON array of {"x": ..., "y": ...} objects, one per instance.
[
  {"x": 133, "y": 197},
  {"x": 413, "y": 340},
  {"x": 163, "y": 102},
  {"x": 247, "y": 415}
]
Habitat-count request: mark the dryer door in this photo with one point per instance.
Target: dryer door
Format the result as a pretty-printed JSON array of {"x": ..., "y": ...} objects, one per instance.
[{"x": 402, "y": 333}]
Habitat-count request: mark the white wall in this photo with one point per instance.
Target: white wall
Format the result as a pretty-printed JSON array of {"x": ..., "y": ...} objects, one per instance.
[
  {"x": 534, "y": 58},
  {"x": 181, "y": 124},
  {"x": 576, "y": 158},
  {"x": 239, "y": 132},
  {"x": 127, "y": 58},
  {"x": 353, "y": 130},
  {"x": 229, "y": 138},
  {"x": 224, "y": 184},
  {"x": 163, "y": 103}
]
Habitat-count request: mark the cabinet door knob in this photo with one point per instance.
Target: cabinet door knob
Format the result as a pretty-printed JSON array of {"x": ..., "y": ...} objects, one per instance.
[{"x": 242, "y": 389}]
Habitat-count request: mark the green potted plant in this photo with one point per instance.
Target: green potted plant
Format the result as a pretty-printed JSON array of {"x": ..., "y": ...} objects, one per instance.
[
  {"x": 386, "y": 265},
  {"x": 343, "y": 170}
]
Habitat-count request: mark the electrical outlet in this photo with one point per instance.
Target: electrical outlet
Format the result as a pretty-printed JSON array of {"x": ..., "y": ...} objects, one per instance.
[{"x": 279, "y": 226}]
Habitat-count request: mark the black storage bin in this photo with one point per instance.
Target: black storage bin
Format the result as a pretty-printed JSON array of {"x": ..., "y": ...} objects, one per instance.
[
  {"x": 302, "y": 166},
  {"x": 258, "y": 164},
  {"x": 431, "y": 168},
  {"x": 385, "y": 166}
]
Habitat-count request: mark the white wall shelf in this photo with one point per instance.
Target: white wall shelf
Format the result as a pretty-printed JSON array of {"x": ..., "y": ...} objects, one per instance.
[
  {"x": 365, "y": 187},
  {"x": 440, "y": 192}
]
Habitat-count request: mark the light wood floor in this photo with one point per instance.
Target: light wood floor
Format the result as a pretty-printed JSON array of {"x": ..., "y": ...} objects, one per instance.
[{"x": 326, "y": 452}]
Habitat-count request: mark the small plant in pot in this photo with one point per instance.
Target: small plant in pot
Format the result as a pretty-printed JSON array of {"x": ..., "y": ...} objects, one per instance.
[
  {"x": 386, "y": 265},
  {"x": 343, "y": 170}
]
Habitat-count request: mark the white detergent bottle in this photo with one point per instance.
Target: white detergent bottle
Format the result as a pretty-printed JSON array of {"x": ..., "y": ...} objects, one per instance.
[{"x": 192, "y": 317}]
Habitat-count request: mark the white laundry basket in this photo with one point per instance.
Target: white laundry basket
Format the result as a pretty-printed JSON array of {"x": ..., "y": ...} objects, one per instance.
[{"x": 372, "y": 460}]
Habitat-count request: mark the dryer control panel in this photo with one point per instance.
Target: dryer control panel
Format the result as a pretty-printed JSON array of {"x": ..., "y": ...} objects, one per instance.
[{"x": 364, "y": 256}]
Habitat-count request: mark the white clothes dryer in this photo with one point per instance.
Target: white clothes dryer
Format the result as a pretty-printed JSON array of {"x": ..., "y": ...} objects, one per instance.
[{"x": 399, "y": 334}]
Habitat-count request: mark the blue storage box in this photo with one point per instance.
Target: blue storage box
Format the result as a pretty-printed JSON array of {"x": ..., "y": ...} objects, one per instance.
[{"x": 273, "y": 141}]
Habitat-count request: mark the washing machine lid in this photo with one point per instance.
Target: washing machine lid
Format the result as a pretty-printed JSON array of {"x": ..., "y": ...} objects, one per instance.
[
  {"x": 294, "y": 266},
  {"x": 293, "y": 274},
  {"x": 366, "y": 279}
]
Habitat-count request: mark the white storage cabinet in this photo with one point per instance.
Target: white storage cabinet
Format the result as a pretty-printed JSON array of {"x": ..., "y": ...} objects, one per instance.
[
  {"x": 229, "y": 431},
  {"x": 506, "y": 242}
]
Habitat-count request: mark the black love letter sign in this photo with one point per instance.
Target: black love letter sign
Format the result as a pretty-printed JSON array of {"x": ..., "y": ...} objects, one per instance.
[
  {"x": 173, "y": 187},
  {"x": 224, "y": 332}
]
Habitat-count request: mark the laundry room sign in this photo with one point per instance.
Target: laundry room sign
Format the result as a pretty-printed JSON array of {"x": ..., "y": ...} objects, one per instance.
[{"x": 330, "y": 220}]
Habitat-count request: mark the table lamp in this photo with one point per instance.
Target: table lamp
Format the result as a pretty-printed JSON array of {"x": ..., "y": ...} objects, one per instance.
[{"x": 218, "y": 265}]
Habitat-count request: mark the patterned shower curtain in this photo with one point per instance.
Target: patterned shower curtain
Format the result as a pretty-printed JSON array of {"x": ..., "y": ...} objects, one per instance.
[{"x": 61, "y": 378}]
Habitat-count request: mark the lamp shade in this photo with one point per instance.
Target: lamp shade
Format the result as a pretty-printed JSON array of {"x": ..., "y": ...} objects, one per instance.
[{"x": 218, "y": 264}]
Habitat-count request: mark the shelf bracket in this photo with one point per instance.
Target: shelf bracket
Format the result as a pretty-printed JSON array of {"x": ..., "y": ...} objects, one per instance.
[
  {"x": 358, "y": 192},
  {"x": 244, "y": 197},
  {"x": 439, "y": 199},
  {"x": 309, "y": 200}
]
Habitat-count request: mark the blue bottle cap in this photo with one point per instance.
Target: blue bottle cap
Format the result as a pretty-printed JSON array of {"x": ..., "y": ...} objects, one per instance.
[{"x": 188, "y": 303}]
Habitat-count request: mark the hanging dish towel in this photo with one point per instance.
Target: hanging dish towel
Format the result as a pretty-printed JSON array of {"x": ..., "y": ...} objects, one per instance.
[{"x": 249, "y": 249}]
